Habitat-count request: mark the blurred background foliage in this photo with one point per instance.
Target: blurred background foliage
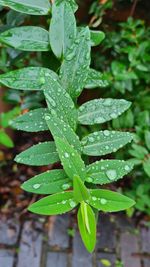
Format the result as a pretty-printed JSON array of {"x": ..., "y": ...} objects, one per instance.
[{"x": 123, "y": 57}]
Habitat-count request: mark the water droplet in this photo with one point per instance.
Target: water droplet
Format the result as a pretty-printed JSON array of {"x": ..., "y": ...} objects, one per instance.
[
  {"x": 42, "y": 80},
  {"x": 106, "y": 133},
  {"x": 113, "y": 115},
  {"x": 127, "y": 168},
  {"x": 91, "y": 139},
  {"x": 36, "y": 186},
  {"x": 47, "y": 117},
  {"x": 65, "y": 186},
  {"x": 94, "y": 198},
  {"x": 107, "y": 102},
  {"x": 111, "y": 174},
  {"x": 63, "y": 202},
  {"x": 103, "y": 201},
  {"x": 72, "y": 204},
  {"x": 89, "y": 179},
  {"x": 70, "y": 56},
  {"x": 66, "y": 155}
]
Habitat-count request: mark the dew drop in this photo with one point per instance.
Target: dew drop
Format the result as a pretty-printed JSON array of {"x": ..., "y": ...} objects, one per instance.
[
  {"x": 63, "y": 202},
  {"x": 42, "y": 80},
  {"x": 107, "y": 102},
  {"x": 106, "y": 133},
  {"x": 89, "y": 179},
  {"x": 94, "y": 198},
  {"x": 66, "y": 155},
  {"x": 65, "y": 186},
  {"x": 111, "y": 174},
  {"x": 47, "y": 117},
  {"x": 103, "y": 201},
  {"x": 72, "y": 204},
  {"x": 127, "y": 168},
  {"x": 36, "y": 186},
  {"x": 91, "y": 139},
  {"x": 113, "y": 115}
]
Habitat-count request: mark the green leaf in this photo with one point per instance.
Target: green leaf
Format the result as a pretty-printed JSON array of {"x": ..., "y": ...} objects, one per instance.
[
  {"x": 62, "y": 130},
  {"x": 107, "y": 171},
  {"x": 109, "y": 201},
  {"x": 146, "y": 166},
  {"x": 105, "y": 142},
  {"x": 39, "y": 155},
  {"x": 74, "y": 68},
  {"x": 14, "y": 18},
  {"x": 95, "y": 79},
  {"x": 55, "y": 204},
  {"x": 107, "y": 263},
  {"x": 73, "y": 5},
  {"x": 49, "y": 182},
  {"x": 147, "y": 138},
  {"x": 6, "y": 117},
  {"x": 31, "y": 78},
  {"x": 138, "y": 151},
  {"x": 96, "y": 37},
  {"x": 101, "y": 110},
  {"x": 33, "y": 121},
  {"x": 26, "y": 38},
  {"x": 59, "y": 102},
  {"x": 79, "y": 189},
  {"x": 87, "y": 226},
  {"x": 5, "y": 139},
  {"x": 34, "y": 7},
  {"x": 62, "y": 33},
  {"x": 71, "y": 160}
]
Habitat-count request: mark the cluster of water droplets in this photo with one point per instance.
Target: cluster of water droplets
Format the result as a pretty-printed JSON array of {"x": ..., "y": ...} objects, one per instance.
[
  {"x": 96, "y": 200},
  {"x": 104, "y": 142},
  {"x": 101, "y": 110},
  {"x": 74, "y": 69},
  {"x": 103, "y": 171}
]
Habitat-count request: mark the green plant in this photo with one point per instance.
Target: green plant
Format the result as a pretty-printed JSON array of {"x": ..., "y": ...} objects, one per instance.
[
  {"x": 126, "y": 63},
  {"x": 5, "y": 119},
  {"x": 76, "y": 184}
]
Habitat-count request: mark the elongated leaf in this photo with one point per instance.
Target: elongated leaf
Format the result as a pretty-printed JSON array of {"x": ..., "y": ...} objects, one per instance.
[
  {"x": 49, "y": 182},
  {"x": 62, "y": 130},
  {"x": 39, "y": 155},
  {"x": 62, "y": 33},
  {"x": 87, "y": 226},
  {"x": 146, "y": 166},
  {"x": 73, "y": 5},
  {"x": 107, "y": 171},
  {"x": 55, "y": 204},
  {"x": 59, "y": 102},
  {"x": 138, "y": 151},
  {"x": 96, "y": 37},
  {"x": 79, "y": 189},
  {"x": 34, "y": 7},
  {"x": 71, "y": 160},
  {"x": 6, "y": 117},
  {"x": 5, "y": 139},
  {"x": 105, "y": 142},
  {"x": 95, "y": 79},
  {"x": 74, "y": 69},
  {"x": 33, "y": 121},
  {"x": 31, "y": 78},
  {"x": 26, "y": 38},
  {"x": 101, "y": 110},
  {"x": 109, "y": 201}
]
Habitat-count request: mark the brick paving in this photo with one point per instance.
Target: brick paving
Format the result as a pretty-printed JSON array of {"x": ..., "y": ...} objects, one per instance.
[{"x": 54, "y": 243}]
